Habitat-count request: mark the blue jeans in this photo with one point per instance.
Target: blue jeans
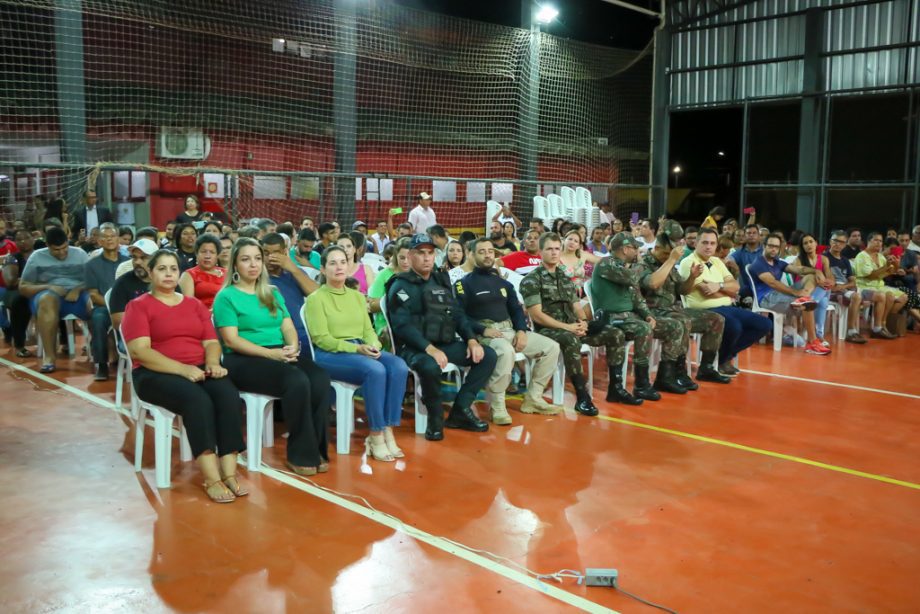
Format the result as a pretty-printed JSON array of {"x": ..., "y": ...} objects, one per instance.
[
  {"x": 742, "y": 329},
  {"x": 822, "y": 297},
  {"x": 99, "y": 324},
  {"x": 383, "y": 381}
]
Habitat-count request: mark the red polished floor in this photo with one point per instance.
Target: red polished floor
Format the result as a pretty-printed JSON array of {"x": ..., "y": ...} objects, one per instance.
[{"x": 694, "y": 525}]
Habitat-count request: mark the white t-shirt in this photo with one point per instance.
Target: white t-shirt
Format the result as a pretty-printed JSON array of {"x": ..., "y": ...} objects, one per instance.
[{"x": 421, "y": 218}]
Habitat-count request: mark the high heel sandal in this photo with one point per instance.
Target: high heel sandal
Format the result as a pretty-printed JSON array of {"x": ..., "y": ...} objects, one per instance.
[
  {"x": 390, "y": 440},
  {"x": 377, "y": 448},
  {"x": 236, "y": 488},
  {"x": 218, "y": 492}
]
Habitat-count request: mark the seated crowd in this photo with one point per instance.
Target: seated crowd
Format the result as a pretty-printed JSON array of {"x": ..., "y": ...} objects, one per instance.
[{"x": 208, "y": 309}]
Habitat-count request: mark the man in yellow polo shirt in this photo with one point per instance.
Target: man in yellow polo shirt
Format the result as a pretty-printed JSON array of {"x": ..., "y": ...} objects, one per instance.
[{"x": 708, "y": 284}]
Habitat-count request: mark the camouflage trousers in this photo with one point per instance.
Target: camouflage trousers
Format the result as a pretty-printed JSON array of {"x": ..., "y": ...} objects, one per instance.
[
  {"x": 703, "y": 321},
  {"x": 638, "y": 331},
  {"x": 570, "y": 346}
]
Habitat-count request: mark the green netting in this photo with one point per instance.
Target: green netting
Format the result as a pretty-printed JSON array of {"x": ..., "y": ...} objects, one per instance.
[{"x": 406, "y": 94}]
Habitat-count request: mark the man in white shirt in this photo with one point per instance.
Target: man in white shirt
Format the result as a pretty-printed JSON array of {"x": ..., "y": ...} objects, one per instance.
[
  {"x": 647, "y": 231},
  {"x": 382, "y": 238},
  {"x": 708, "y": 284},
  {"x": 607, "y": 216},
  {"x": 914, "y": 239},
  {"x": 423, "y": 216}
]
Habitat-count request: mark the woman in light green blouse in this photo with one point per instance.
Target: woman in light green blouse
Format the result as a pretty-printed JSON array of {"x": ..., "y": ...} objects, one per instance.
[{"x": 348, "y": 349}]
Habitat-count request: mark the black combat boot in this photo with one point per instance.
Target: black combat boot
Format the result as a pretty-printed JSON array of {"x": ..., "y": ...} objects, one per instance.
[
  {"x": 435, "y": 429},
  {"x": 583, "y": 402},
  {"x": 680, "y": 374},
  {"x": 465, "y": 418},
  {"x": 666, "y": 380},
  {"x": 616, "y": 393},
  {"x": 708, "y": 373},
  {"x": 643, "y": 387}
]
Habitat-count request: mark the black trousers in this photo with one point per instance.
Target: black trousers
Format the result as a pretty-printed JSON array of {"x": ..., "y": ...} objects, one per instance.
[
  {"x": 211, "y": 410},
  {"x": 303, "y": 388},
  {"x": 20, "y": 314},
  {"x": 430, "y": 374}
]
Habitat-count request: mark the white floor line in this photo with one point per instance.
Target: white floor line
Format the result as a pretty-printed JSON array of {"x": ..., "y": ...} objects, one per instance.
[
  {"x": 827, "y": 383},
  {"x": 440, "y": 543}
]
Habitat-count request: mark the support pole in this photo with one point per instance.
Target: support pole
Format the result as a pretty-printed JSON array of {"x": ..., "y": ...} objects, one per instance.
[
  {"x": 811, "y": 124},
  {"x": 71, "y": 95},
  {"x": 661, "y": 125},
  {"x": 344, "y": 109}
]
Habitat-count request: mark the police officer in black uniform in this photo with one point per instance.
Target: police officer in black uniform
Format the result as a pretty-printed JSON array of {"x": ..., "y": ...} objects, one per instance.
[{"x": 426, "y": 320}]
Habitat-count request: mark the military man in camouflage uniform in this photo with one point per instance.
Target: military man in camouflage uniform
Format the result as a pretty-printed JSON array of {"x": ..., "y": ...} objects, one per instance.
[
  {"x": 662, "y": 286},
  {"x": 552, "y": 303},
  {"x": 616, "y": 298}
]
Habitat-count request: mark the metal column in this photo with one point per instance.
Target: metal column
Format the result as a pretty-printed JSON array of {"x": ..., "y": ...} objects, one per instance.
[
  {"x": 344, "y": 105},
  {"x": 661, "y": 125},
  {"x": 529, "y": 139},
  {"x": 71, "y": 94},
  {"x": 811, "y": 123}
]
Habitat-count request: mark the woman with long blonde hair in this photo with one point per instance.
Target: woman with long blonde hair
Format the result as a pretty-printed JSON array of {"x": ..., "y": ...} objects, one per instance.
[{"x": 262, "y": 354}]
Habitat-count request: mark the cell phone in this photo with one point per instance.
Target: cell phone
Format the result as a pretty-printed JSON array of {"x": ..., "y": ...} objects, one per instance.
[
  {"x": 748, "y": 210},
  {"x": 634, "y": 218},
  {"x": 396, "y": 211}
]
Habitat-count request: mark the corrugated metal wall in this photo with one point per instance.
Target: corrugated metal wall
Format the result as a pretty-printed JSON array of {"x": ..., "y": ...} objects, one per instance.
[{"x": 721, "y": 61}]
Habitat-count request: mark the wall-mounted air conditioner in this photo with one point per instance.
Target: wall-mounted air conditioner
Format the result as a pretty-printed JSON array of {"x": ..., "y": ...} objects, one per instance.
[{"x": 179, "y": 144}]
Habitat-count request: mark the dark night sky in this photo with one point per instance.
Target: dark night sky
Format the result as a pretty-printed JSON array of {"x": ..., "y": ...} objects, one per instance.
[{"x": 593, "y": 21}]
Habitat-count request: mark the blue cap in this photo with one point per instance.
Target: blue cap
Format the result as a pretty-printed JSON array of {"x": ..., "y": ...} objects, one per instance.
[{"x": 421, "y": 240}]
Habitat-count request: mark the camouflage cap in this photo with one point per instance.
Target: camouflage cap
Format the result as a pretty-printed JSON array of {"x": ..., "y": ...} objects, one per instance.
[
  {"x": 671, "y": 230},
  {"x": 623, "y": 239}
]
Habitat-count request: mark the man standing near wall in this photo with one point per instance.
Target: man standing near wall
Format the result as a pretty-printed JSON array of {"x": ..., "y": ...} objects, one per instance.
[{"x": 423, "y": 216}]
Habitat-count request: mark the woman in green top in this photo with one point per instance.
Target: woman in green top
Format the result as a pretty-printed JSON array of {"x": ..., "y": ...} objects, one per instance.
[
  {"x": 348, "y": 348},
  {"x": 262, "y": 355},
  {"x": 399, "y": 263}
]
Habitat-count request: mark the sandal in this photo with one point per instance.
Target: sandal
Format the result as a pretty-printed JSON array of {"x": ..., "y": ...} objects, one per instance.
[
  {"x": 218, "y": 492},
  {"x": 23, "y": 353},
  {"x": 231, "y": 482},
  {"x": 305, "y": 471}
]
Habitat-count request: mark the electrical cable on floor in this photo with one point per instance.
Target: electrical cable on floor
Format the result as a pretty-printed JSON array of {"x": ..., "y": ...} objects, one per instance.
[
  {"x": 558, "y": 576},
  {"x": 412, "y": 531},
  {"x": 641, "y": 600}
]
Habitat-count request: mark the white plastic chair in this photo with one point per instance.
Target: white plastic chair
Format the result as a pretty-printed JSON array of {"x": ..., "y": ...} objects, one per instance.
[
  {"x": 451, "y": 370},
  {"x": 260, "y": 423},
  {"x": 260, "y": 427},
  {"x": 71, "y": 340},
  {"x": 778, "y": 317},
  {"x": 540, "y": 207},
  {"x": 162, "y": 433},
  {"x": 123, "y": 373},
  {"x": 375, "y": 261},
  {"x": 556, "y": 208},
  {"x": 344, "y": 400}
]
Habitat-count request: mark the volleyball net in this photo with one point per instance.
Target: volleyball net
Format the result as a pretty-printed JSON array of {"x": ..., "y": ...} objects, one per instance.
[{"x": 287, "y": 108}]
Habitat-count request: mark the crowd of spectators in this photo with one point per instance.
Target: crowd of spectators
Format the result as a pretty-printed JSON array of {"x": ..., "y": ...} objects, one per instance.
[{"x": 208, "y": 308}]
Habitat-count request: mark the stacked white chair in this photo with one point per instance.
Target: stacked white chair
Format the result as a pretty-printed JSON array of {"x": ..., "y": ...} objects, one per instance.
[
  {"x": 492, "y": 207},
  {"x": 540, "y": 207},
  {"x": 568, "y": 202},
  {"x": 556, "y": 209}
]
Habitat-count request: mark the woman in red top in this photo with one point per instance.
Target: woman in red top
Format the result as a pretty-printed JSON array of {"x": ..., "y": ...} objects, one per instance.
[
  {"x": 177, "y": 366},
  {"x": 204, "y": 280}
]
